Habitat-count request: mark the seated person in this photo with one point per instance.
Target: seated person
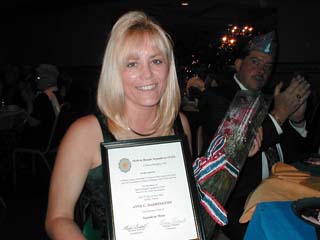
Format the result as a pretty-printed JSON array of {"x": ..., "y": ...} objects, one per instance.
[
  {"x": 297, "y": 149},
  {"x": 46, "y": 107},
  {"x": 253, "y": 68}
]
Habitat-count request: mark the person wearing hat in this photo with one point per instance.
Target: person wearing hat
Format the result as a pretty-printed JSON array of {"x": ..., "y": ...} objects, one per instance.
[
  {"x": 46, "y": 107},
  {"x": 47, "y": 76},
  {"x": 253, "y": 67}
]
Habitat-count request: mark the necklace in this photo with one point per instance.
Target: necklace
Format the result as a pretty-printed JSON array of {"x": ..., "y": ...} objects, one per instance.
[{"x": 141, "y": 134}]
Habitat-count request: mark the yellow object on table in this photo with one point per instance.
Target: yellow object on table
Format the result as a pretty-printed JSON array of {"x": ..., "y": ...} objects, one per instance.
[{"x": 285, "y": 184}]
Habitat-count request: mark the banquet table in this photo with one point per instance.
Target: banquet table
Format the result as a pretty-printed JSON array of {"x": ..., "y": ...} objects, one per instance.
[{"x": 276, "y": 220}]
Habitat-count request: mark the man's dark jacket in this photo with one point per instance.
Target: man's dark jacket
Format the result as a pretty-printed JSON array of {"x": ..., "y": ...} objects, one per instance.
[{"x": 213, "y": 105}]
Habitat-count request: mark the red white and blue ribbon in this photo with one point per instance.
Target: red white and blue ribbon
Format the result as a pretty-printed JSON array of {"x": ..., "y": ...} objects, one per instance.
[{"x": 206, "y": 166}]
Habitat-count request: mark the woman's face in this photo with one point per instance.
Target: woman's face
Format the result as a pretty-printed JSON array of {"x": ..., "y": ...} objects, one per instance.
[{"x": 144, "y": 75}]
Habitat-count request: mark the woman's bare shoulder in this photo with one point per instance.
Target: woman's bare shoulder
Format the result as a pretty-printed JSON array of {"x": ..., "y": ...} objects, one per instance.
[
  {"x": 85, "y": 123},
  {"x": 86, "y": 120},
  {"x": 87, "y": 127}
]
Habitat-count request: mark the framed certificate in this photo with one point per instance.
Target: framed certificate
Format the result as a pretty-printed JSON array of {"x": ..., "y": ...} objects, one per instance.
[{"x": 151, "y": 190}]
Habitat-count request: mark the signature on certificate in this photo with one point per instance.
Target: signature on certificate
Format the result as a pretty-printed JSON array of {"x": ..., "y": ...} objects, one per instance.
[
  {"x": 172, "y": 223},
  {"x": 136, "y": 228}
]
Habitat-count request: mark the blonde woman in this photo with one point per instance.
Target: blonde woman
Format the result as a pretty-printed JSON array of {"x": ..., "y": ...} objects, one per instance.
[{"x": 138, "y": 97}]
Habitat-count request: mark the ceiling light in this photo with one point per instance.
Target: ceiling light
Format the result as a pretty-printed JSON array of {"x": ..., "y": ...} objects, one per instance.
[{"x": 184, "y": 3}]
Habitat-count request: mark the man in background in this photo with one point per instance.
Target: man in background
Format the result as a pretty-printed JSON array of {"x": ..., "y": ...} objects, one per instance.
[{"x": 253, "y": 69}]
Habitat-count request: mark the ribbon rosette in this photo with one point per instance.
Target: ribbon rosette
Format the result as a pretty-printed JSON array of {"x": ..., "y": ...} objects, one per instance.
[{"x": 206, "y": 166}]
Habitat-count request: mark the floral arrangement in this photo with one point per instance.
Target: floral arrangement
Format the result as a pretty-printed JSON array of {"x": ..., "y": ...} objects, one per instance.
[{"x": 216, "y": 172}]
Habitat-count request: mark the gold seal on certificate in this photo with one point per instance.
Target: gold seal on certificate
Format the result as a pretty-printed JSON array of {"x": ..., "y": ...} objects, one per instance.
[
  {"x": 151, "y": 190},
  {"x": 124, "y": 164}
]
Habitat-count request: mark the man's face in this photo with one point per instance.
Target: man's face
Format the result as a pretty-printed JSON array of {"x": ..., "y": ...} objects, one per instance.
[{"x": 254, "y": 70}]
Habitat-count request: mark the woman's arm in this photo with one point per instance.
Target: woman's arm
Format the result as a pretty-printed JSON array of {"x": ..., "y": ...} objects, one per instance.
[{"x": 78, "y": 149}]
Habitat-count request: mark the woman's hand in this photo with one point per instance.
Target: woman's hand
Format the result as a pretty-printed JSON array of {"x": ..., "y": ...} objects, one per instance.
[{"x": 256, "y": 143}]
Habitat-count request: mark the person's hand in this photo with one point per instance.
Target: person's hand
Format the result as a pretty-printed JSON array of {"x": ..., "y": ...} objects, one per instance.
[
  {"x": 298, "y": 117},
  {"x": 289, "y": 101},
  {"x": 256, "y": 143}
]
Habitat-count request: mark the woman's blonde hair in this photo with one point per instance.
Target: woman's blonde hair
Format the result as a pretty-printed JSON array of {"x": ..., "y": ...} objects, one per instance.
[{"x": 131, "y": 28}]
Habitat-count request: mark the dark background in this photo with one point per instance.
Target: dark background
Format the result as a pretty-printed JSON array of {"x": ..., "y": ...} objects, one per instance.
[{"x": 72, "y": 34}]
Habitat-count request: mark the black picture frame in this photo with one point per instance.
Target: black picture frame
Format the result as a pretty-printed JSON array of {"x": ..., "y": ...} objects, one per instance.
[{"x": 107, "y": 148}]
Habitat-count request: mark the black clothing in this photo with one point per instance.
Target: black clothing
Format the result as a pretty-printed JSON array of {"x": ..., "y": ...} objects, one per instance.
[
  {"x": 38, "y": 136},
  {"x": 297, "y": 148},
  {"x": 92, "y": 201},
  {"x": 213, "y": 106}
]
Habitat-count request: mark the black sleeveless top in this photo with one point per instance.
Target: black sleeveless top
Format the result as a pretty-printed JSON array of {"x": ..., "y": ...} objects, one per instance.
[{"x": 92, "y": 201}]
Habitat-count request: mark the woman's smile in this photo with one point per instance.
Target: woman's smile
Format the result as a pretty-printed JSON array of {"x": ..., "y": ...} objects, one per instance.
[{"x": 148, "y": 87}]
